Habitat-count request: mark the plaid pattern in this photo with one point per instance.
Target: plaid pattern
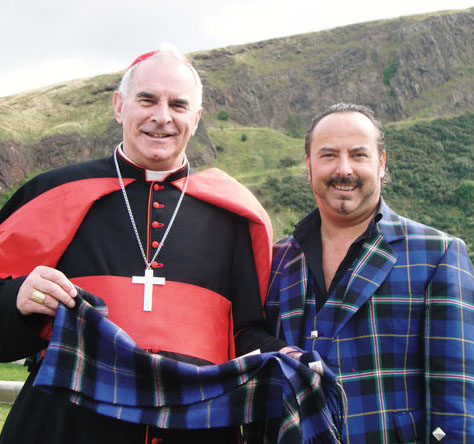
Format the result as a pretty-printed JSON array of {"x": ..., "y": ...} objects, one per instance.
[
  {"x": 398, "y": 331},
  {"x": 94, "y": 363}
]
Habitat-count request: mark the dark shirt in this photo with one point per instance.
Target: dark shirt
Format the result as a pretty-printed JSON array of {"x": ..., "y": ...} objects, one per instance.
[{"x": 308, "y": 234}]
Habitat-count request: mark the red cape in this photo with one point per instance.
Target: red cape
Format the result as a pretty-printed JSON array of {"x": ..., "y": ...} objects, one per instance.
[{"x": 39, "y": 232}]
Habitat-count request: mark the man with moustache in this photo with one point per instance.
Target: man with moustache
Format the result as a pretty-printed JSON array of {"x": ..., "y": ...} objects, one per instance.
[
  {"x": 386, "y": 301},
  {"x": 180, "y": 258}
]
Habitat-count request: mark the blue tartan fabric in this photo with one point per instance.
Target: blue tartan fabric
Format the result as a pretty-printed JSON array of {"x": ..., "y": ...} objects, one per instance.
[
  {"x": 398, "y": 332},
  {"x": 92, "y": 362}
]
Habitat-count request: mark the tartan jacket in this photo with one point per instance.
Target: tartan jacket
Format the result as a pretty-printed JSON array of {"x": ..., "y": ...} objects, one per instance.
[{"x": 401, "y": 339}]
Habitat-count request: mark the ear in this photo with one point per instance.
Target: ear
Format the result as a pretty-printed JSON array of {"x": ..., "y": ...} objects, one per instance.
[
  {"x": 118, "y": 101},
  {"x": 382, "y": 164},
  {"x": 196, "y": 121},
  {"x": 308, "y": 167}
]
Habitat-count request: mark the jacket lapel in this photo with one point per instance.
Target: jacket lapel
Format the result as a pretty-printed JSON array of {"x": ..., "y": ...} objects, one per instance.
[
  {"x": 292, "y": 297},
  {"x": 369, "y": 271}
]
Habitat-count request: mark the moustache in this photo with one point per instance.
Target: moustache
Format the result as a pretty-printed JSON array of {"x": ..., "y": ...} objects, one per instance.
[{"x": 349, "y": 180}]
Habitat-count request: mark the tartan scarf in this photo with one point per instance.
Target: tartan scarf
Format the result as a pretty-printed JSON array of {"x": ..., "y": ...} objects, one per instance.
[{"x": 91, "y": 362}]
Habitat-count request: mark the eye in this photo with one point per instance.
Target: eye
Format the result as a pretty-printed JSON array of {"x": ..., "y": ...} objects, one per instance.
[
  {"x": 146, "y": 102},
  {"x": 179, "y": 106}
]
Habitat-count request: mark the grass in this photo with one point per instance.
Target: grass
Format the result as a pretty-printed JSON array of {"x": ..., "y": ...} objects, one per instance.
[
  {"x": 4, "y": 410},
  {"x": 259, "y": 156},
  {"x": 13, "y": 372},
  {"x": 10, "y": 372}
]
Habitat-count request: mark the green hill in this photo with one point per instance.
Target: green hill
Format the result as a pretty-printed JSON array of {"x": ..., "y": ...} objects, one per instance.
[{"x": 416, "y": 73}]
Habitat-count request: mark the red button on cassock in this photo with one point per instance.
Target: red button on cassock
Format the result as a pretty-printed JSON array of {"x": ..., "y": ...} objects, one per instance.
[
  {"x": 155, "y": 264},
  {"x": 155, "y": 244},
  {"x": 156, "y": 224},
  {"x": 157, "y": 205}
]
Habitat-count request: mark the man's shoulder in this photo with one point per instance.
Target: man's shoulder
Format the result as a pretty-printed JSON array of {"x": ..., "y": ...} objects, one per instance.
[
  {"x": 408, "y": 235},
  {"x": 286, "y": 243},
  {"x": 394, "y": 224},
  {"x": 43, "y": 182},
  {"x": 77, "y": 171},
  {"x": 286, "y": 250},
  {"x": 219, "y": 188},
  {"x": 217, "y": 176}
]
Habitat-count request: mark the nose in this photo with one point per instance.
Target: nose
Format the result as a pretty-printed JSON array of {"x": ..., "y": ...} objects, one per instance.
[
  {"x": 161, "y": 114},
  {"x": 344, "y": 166}
]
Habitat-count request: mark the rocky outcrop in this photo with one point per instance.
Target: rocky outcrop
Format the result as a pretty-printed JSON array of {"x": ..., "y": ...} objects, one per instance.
[
  {"x": 431, "y": 59},
  {"x": 16, "y": 161}
]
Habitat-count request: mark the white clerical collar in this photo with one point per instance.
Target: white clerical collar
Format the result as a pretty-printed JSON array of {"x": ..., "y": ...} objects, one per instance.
[{"x": 158, "y": 176}]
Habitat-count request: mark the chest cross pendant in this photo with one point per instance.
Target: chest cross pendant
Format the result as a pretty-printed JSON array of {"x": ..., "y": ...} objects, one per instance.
[{"x": 148, "y": 280}]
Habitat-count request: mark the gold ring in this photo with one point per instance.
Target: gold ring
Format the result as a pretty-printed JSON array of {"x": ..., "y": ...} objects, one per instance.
[{"x": 39, "y": 297}]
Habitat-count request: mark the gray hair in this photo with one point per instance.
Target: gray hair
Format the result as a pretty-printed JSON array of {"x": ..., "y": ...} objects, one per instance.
[
  {"x": 164, "y": 50},
  {"x": 343, "y": 108}
]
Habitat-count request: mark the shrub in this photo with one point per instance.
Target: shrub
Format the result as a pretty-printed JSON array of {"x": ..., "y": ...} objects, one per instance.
[
  {"x": 223, "y": 115},
  {"x": 295, "y": 127},
  {"x": 390, "y": 71},
  {"x": 465, "y": 192},
  {"x": 287, "y": 161}
]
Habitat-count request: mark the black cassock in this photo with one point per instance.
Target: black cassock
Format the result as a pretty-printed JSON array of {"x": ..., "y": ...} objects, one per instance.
[{"x": 75, "y": 220}]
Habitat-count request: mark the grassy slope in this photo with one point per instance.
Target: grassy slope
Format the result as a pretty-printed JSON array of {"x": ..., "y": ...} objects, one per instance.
[
  {"x": 266, "y": 153},
  {"x": 80, "y": 106}
]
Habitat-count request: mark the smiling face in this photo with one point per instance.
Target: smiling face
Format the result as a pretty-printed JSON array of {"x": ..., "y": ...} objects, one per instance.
[
  {"x": 345, "y": 167},
  {"x": 159, "y": 113}
]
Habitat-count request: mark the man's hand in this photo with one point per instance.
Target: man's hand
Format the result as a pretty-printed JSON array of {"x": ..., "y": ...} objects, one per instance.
[
  {"x": 47, "y": 282},
  {"x": 317, "y": 366},
  {"x": 290, "y": 351}
]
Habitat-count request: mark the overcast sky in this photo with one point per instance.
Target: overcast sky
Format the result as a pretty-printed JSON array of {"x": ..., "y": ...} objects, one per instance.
[{"x": 43, "y": 42}]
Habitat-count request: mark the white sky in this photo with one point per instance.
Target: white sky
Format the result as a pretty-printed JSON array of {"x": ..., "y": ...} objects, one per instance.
[{"x": 43, "y": 42}]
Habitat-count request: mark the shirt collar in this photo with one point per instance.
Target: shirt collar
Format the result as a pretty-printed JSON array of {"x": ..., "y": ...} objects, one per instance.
[{"x": 132, "y": 169}]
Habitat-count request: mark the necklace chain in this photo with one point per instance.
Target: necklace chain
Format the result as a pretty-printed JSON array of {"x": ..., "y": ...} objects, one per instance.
[{"x": 132, "y": 219}]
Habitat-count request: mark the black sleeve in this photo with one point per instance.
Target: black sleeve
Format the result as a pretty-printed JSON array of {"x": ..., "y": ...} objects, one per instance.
[
  {"x": 249, "y": 323},
  {"x": 19, "y": 335}
]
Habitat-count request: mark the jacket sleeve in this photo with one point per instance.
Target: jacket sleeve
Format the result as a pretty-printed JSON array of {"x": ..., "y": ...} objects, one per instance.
[{"x": 449, "y": 348}]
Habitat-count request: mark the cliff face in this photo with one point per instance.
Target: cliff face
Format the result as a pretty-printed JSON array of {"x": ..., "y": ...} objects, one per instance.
[
  {"x": 420, "y": 66},
  {"x": 404, "y": 67}
]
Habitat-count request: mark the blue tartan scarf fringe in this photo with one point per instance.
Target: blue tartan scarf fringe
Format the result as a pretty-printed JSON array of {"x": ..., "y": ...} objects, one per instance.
[{"x": 92, "y": 362}]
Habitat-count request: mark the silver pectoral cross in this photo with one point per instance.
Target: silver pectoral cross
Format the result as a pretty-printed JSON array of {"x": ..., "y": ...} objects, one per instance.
[{"x": 148, "y": 280}]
